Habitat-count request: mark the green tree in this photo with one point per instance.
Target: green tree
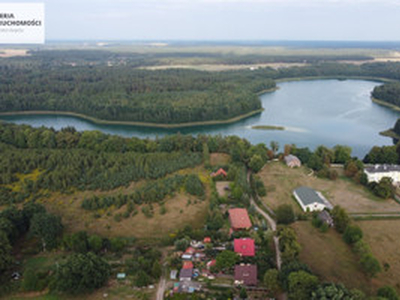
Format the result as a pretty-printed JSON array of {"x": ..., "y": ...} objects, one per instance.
[
  {"x": 82, "y": 273},
  {"x": 48, "y": 228},
  {"x": 301, "y": 284},
  {"x": 370, "y": 265},
  {"x": 142, "y": 279},
  {"x": 95, "y": 243},
  {"x": 352, "y": 234},
  {"x": 256, "y": 163},
  {"x": 30, "y": 280},
  {"x": 156, "y": 270},
  {"x": 340, "y": 218},
  {"x": 342, "y": 154},
  {"x": 388, "y": 292},
  {"x": 182, "y": 244},
  {"x": 285, "y": 214},
  {"x": 226, "y": 260},
  {"x": 243, "y": 293},
  {"x": 337, "y": 292},
  {"x": 5, "y": 252},
  {"x": 271, "y": 280},
  {"x": 274, "y": 146}
]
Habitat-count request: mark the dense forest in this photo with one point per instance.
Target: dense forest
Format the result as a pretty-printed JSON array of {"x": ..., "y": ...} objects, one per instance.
[
  {"x": 79, "y": 83},
  {"x": 389, "y": 93}
]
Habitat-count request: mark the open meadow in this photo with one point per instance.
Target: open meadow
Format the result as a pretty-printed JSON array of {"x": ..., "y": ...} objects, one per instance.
[{"x": 280, "y": 181}]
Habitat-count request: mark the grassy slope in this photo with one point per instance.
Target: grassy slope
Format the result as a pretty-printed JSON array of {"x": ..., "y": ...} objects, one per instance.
[
  {"x": 280, "y": 182},
  {"x": 330, "y": 257}
]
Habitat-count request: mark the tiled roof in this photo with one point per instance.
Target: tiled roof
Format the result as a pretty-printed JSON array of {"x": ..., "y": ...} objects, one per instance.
[
  {"x": 239, "y": 218},
  {"x": 245, "y": 247}
]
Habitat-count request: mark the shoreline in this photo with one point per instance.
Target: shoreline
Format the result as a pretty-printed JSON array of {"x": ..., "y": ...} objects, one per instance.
[
  {"x": 129, "y": 123},
  {"x": 200, "y": 123}
]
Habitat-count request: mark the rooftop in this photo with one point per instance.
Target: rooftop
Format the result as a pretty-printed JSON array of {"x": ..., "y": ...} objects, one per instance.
[
  {"x": 239, "y": 218},
  {"x": 308, "y": 196},
  {"x": 245, "y": 246},
  {"x": 246, "y": 274},
  {"x": 382, "y": 168}
]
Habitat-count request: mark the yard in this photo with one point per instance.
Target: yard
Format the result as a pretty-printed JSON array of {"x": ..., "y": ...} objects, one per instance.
[
  {"x": 330, "y": 257},
  {"x": 383, "y": 238},
  {"x": 280, "y": 181}
]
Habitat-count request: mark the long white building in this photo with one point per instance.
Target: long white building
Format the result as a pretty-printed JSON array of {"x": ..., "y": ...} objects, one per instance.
[
  {"x": 311, "y": 200},
  {"x": 377, "y": 172}
]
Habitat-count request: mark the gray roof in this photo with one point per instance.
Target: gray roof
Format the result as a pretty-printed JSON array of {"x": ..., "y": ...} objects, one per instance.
[
  {"x": 290, "y": 157},
  {"x": 382, "y": 168},
  {"x": 325, "y": 216},
  {"x": 308, "y": 196},
  {"x": 186, "y": 273}
]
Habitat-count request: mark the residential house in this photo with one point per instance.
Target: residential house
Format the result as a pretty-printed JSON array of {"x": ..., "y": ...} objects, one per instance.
[
  {"x": 325, "y": 217},
  {"x": 221, "y": 172},
  {"x": 246, "y": 275},
  {"x": 377, "y": 172},
  {"x": 292, "y": 161},
  {"x": 311, "y": 200},
  {"x": 244, "y": 247},
  {"x": 186, "y": 274},
  {"x": 239, "y": 219}
]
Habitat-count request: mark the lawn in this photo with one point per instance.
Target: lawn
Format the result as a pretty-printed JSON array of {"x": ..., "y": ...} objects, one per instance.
[
  {"x": 383, "y": 238},
  {"x": 330, "y": 257},
  {"x": 280, "y": 181}
]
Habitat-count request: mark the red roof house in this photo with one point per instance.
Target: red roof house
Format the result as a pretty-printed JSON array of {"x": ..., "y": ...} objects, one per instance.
[
  {"x": 211, "y": 263},
  {"x": 244, "y": 247},
  {"x": 207, "y": 240},
  {"x": 187, "y": 265},
  {"x": 246, "y": 274},
  {"x": 239, "y": 219},
  {"x": 219, "y": 172},
  {"x": 190, "y": 250}
]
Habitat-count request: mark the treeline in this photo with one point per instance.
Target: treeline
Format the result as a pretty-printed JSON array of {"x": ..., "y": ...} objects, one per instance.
[
  {"x": 152, "y": 192},
  {"x": 126, "y": 94},
  {"x": 389, "y": 92},
  {"x": 123, "y": 93}
]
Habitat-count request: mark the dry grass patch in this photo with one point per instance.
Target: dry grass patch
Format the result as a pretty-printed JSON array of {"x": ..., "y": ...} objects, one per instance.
[
  {"x": 330, "y": 257},
  {"x": 219, "y": 159},
  {"x": 383, "y": 238},
  {"x": 221, "y": 185},
  {"x": 280, "y": 181}
]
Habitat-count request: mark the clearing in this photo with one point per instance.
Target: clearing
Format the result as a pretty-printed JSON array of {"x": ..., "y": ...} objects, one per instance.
[
  {"x": 219, "y": 159},
  {"x": 280, "y": 181},
  {"x": 383, "y": 238},
  {"x": 330, "y": 257},
  {"x": 221, "y": 187}
]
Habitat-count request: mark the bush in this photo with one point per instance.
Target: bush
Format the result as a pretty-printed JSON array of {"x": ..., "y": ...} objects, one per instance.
[
  {"x": 352, "y": 234},
  {"x": 370, "y": 265},
  {"x": 285, "y": 214},
  {"x": 388, "y": 293}
]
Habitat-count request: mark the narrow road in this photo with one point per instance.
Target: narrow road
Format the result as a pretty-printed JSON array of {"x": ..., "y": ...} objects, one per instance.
[
  {"x": 161, "y": 288},
  {"x": 272, "y": 224}
]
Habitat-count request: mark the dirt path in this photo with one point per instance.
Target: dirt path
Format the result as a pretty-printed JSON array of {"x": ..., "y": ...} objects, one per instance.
[
  {"x": 161, "y": 288},
  {"x": 272, "y": 225}
]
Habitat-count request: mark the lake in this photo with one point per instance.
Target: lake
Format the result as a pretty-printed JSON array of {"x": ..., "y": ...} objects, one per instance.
[{"x": 315, "y": 112}]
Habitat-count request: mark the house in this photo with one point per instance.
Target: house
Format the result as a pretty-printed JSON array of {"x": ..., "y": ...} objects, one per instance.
[
  {"x": 187, "y": 265},
  {"x": 187, "y": 256},
  {"x": 186, "y": 274},
  {"x": 292, "y": 161},
  {"x": 244, "y": 247},
  {"x": 207, "y": 240},
  {"x": 221, "y": 172},
  {"x": 246, "y": 274},
  {"x": 239, "y": 219},
  {"x": 325, "y": 217},
  {"x": 377, "y": 172},
  {"x": 311, "y": 200}
]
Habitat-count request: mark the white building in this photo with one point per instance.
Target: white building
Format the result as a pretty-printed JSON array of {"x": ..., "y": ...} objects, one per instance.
[
  {"x": 311, "y": 200},
  {"x": 377, "y": 172}
]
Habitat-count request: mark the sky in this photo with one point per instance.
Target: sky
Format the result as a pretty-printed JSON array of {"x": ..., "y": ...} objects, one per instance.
[{"x": 353, "y": 20}]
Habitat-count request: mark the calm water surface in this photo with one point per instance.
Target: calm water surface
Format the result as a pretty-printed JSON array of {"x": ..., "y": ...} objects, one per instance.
[{"x": 319, "y": 112}]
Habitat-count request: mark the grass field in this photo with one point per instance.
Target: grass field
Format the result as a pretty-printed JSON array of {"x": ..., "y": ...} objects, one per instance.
[
  {"x": 383, "y": 238},
  {"x": 280, "y": 181},
  {"x": 330, "y": 257},
  {"x": 219, "y": 159},
  {"x": 181, "y": 210}
]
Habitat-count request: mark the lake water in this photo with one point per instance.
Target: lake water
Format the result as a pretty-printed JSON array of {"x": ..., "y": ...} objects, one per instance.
[{"x": 317, "y": 112}]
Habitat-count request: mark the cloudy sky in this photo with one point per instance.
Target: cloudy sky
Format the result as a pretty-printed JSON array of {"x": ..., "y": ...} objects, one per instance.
[{"x": 222, "y": 19}]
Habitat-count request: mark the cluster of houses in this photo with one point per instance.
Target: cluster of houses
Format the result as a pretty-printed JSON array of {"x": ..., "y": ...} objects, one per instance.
[{"x": 194, "y": 255}]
